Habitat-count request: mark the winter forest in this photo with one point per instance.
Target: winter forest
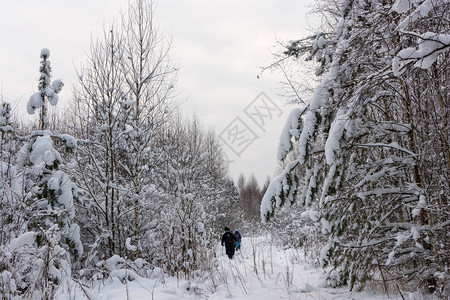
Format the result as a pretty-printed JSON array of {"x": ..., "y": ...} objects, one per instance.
[{"x": 123, "y": 196}]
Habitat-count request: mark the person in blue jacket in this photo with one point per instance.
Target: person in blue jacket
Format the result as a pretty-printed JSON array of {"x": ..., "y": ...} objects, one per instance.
[{"x": 238, "y": 240}]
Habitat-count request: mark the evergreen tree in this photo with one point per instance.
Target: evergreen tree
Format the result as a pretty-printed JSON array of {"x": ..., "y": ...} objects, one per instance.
[
  {"x": 5, "y": 122},
  {"x": 47, "y": 92},
  {"x": 375, "y": 155},
  {"x": 42, "y": 238}
]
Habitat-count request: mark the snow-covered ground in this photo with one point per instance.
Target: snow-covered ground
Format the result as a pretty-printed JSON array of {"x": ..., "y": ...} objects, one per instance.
[{"x": 260, "y": 271}]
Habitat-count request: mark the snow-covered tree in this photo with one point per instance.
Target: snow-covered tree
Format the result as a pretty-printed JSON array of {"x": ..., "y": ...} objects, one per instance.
[
  {"x": 101, "y": 116},
  {"x": 8, "y": 144},
  {"x": 198, "y": 198},
  {"x": 123, "y": 101},
  {"x": 41, "y": 240},
  {"x": 150, "y": 78},
  {"x": 374, "y": 143},
  {"x": 5, "y": 116},
  {"x": 48, "y": 92}
]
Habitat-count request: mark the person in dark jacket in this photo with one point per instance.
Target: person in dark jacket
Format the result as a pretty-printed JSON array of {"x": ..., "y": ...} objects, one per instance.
[{"x": 228, "y": 240}]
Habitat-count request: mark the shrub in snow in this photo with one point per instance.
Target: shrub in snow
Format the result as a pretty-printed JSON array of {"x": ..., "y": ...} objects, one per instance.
[{"x": 127, "y": 270}]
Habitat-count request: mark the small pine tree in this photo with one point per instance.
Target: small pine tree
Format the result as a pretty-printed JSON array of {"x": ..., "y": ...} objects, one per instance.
[
  {"x": 5, "y": 115},
  {"x": 37, "y": 254},
  {"x": 47, "y": 92}
]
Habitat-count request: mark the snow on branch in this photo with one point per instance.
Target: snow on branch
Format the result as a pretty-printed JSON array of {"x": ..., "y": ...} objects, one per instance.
[
  {"x": 306, "y": 134},
  {"x": 67, "y": 140},
  {"x": 402, "y": 6},
  {"x": 430, "y": 45},
  {"x": 281, "y": 188},
  {"x": 129, "y": 246},
  {"x": 34, "y": 103},
  {"x": 26, "y": 238},
  {"x": 292, "y": 128},
  {"x": 332, "y": 145},
  {"x": 394, "y": 145}
]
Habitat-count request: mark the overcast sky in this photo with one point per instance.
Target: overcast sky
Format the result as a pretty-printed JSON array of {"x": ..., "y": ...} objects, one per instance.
[{"x": 218, "y": 45}]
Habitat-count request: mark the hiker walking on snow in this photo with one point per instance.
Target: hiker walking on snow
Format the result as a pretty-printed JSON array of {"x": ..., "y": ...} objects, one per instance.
[
  {"x": 228, "y": 239},
  {"x": 238, "y": 240}
]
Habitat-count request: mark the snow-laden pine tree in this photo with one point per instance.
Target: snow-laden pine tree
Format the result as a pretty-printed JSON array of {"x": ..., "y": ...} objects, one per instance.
[
  {"x": 48, "y": 91},
  {"x": 43, "y": 240},
  {"x": 5, "y": 119},
  {"x": 9, "y": 226},
  {"x": 374, "y": 143}
]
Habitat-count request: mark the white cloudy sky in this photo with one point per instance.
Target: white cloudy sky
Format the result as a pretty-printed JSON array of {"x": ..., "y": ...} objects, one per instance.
[{"x": 219, "y": 46}]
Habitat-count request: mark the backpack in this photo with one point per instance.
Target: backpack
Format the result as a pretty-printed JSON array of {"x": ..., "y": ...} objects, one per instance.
[{"x": 228, "y": 238}]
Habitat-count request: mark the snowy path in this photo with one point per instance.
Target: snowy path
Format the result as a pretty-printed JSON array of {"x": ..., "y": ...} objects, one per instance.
[
  {"x": 262, "y": 271},
  {"x": 258, "y": 272}
]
